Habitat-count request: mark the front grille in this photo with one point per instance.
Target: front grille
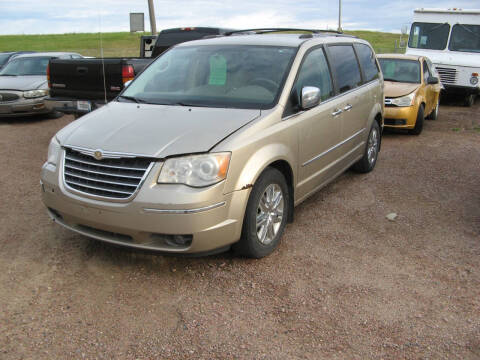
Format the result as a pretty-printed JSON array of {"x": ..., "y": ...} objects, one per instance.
[
  {"x": 109, "y": 178},
  {"x": 447, "y": 75},
  {"x": 4, "y": 97}
]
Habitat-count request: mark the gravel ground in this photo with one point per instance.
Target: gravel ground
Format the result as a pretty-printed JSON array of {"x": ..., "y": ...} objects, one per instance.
[{"x": 345, "y": 283}]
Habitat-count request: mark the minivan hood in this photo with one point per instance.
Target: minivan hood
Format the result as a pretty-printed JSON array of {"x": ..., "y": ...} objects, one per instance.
[
  {"x": 154, "y": 130},
  {"x": 22, "y": 83},
  {"x": 395, "y": 89}
]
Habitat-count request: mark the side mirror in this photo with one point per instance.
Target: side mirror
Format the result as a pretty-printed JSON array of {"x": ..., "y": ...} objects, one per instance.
[
  {"x": 127, "y": 83},
  {"x": 310, "y": 97},
  {"x": 432, "y": 80}
]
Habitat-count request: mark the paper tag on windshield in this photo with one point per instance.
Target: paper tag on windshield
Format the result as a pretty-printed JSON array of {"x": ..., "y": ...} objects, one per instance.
[{"x": 218, "y": 70}]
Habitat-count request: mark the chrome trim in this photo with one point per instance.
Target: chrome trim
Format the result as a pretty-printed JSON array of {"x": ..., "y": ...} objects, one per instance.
[
  {"x": 333, "y": 147},
  {"x": 337, "y": 112},
  {"x": 348, "y": 107},
  {"x": 99, "y": 180},
  {"x": 104, "y": 198},
  {"x": 185, "y": 211},
  {"x": 104, "y": 173},
  {"x": 106, "y": 154},
  {"x": 102, "y": 165},
  {"x": 98, "y": 188}
]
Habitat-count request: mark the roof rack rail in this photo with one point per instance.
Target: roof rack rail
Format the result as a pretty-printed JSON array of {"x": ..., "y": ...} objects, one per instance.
[{"x": 271, "y": 30}]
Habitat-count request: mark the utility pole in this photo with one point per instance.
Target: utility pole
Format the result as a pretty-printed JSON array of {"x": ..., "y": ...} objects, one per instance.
[
  {"x": 153, "y": 24},
  {"x": 339, "y": 15}
]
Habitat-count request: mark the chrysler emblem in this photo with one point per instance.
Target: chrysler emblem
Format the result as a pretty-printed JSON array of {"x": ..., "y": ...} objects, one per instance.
[{"x": 98, "y": 154}]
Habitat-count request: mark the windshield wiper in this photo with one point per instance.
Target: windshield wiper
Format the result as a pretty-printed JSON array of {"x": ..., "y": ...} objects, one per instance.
[
  {"x": 183, "y": 103},
  {"x": 7, "y": 75},
  {"x": 133, "y": 98},
  {"x": 468, "y": 30}
]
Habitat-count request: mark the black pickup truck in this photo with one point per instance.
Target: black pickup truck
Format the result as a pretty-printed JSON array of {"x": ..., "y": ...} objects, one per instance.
[{"x": 79, "y": 86}]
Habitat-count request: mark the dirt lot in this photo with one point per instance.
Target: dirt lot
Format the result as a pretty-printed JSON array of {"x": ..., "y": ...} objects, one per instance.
[{"x": 346, "y": 283}]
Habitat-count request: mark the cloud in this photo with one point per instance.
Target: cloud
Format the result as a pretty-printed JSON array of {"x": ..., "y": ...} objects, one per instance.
[{"x": 59, "y": 16}]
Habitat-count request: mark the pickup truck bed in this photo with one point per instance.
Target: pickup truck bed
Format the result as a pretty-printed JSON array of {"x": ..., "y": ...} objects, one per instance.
[{"x": 83, "y": 80}]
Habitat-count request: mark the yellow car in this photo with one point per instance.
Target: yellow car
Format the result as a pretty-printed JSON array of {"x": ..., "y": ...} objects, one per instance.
[{"x": 412, "y": 91}]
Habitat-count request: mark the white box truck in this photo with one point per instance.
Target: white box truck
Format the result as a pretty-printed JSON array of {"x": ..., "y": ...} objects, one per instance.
[{"x": 451, "y": 39}]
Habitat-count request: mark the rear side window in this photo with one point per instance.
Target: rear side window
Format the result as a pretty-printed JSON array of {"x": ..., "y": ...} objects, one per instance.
[
  {"x": 367, "y": 61},
  {"x": 345, "y": 66}
]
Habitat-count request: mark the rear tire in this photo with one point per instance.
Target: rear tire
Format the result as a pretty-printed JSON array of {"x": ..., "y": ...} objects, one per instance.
[
  {"x": 419, "y": 122},
  {"x": 265, "y": 216},
  {"x": 434, "y": 114},
  {"x": 369, "y": 159}
]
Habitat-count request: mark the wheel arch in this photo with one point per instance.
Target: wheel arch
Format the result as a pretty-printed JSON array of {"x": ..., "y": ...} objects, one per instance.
[{"x": 278, "y": 156}]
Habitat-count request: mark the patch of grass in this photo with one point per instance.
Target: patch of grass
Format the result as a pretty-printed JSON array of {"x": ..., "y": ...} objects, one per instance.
[
  {"x": 88, "y": 44},
  {"x": 456, "y": 129},
  {"x": 381, "y": 42},
  {"x": 127, "y": 44}
]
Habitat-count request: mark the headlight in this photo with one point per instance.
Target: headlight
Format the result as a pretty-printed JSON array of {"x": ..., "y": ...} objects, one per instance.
[
  {"x": 53, "y": 151},
  {"x": 34, "y": 93},
  {"x": 195, "y": 170},
  {"x": 406, "y": 100}
]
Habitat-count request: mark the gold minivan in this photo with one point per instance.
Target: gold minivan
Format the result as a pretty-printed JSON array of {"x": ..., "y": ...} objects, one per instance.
[{"x": 216, "y": 141}]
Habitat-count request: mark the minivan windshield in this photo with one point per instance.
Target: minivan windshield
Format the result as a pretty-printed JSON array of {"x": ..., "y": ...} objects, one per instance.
[
  {"x": 432, "y": 36},
  {"x": 400, "y": 70},
  {"x": 231, "y": 76},
  {"x": 465, "y": 38},
  {"x": 26, "y": 66}
]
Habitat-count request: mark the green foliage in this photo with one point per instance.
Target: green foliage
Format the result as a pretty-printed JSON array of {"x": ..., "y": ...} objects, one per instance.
[
  {"x": 128, "y": 44},
  {"x": 87, "y": 44}
]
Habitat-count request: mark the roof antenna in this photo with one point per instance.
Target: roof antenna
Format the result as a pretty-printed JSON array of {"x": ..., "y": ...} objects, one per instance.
[{"x": 103, "y": 60}]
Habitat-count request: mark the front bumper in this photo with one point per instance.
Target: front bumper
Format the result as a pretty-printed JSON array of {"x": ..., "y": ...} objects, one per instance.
[
  {"x": 461, "y": 90},
  {"x": 23, "y": 107},
  {"x": 400, "y": 117},
  {"x": 212, "y": 219}
]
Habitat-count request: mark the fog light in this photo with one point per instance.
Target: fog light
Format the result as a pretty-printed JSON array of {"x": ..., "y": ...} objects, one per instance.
[
  {"x": 176, "y": 241},
  {"x": 474, "y": 80}
]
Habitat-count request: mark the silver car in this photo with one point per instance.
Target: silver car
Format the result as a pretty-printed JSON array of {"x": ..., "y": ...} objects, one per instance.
[
  {"x": 216, "y": 141},
  {"x": 24, "y": 85}
]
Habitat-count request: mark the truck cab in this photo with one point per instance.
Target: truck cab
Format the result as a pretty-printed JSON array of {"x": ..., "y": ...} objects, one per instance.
[{"x": 451, "y": 39}]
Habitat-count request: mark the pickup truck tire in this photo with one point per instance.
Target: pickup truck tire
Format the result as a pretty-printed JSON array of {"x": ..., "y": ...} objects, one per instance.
[
  {"x": 265, "y": 216},
  {"x": 419, "y": 122},
  {"x": 369, "y": 159}
]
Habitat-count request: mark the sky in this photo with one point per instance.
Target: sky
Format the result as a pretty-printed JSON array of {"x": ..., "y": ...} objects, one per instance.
[{"x": 67, "y": 16}]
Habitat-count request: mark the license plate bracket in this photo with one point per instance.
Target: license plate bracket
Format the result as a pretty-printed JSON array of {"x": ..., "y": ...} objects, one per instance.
[{"x": 84, "y": 105}]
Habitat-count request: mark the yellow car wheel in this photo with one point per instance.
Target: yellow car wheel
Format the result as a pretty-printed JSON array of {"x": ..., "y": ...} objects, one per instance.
[{"x": 419, "y": 122}]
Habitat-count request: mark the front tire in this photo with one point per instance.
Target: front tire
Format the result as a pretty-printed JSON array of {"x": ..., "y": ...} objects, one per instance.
[
  {"x": 469, "y": 100},
  {"x": 266, "y": 215},
  {"x": 419, "y": 122},
  {"x": 369, "y": 159}
]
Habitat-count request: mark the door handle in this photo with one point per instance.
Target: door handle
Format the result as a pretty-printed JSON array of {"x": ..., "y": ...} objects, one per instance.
[
  {"x": 347, "y": 108},
  {"x": 337, "y": 112}
]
